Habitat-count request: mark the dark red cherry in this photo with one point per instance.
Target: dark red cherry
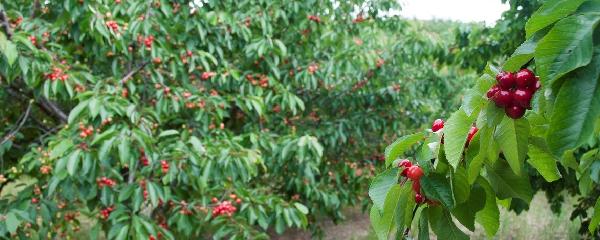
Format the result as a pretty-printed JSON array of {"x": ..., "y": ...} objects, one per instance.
[
  {"x": 506, "y": 80},
  {"x": 437, "y": 125},
  {"x": 525, "y": 78},
  {"x": 493, "y": 90},
  {"x": 503, "y": 98},
  {"x": 514, "y": 111},
  {"x": 522, "y": 98}
]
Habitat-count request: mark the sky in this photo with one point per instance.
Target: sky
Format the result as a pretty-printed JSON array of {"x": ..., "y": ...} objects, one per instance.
[{"x": 487, "y": 11}]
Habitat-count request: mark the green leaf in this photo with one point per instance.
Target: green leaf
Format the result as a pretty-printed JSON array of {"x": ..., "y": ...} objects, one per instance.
[
  {"x": 77, "y": 110},
  {"x": 489, "y": 216},
  {"x": 11, "y": 53},
  {"x": 381, "y": 185},
  {"x": 576, "y": 109},
  {"x": 542, "y": 159},
  {"x": 394, "y": 150},
  {"x": 550, "y": 12},
  {"x": 94, "y": 107},
  {"x": 61, "y": 148},
  {"x": 437, "y": 187},
  {"x": 566, "y": 47},
  {"x": 460, "y": 185},
  {"x": 152, "y": 193},
  {"x": 377, "y": 223},
  {"x": 442, "y": 224},
  {"x": 398, "y": 207},
  {"x": 303, "y": 209},
  {"x": 465, "y": 212},
  {"x": 168, "y": 133},
  {"x": 512, "y": 137},
  {"x": 105, "y": 149},
  {"x": 124, "y": 150},
  {"x": 474, "y": 99},
  {"x": 12, "y": 222},
  {"x": 456, "y": 130},
  {"x": 73, "y": 162},
  {"x": 423, "y": 227},
  {"x": 507, "y": 184},
  {"x": 524, "y": 53},
  {"x": 123, "y": 233},
  {"x": 596, "y": 217},
  {"x": 198, "y": 146}
]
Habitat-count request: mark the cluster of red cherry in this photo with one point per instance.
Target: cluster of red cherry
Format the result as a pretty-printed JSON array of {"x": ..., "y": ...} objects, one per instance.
[
  {"x": 414, "y": 173},
  {"x": 104, "y": 181},
  {"x": 314, "y": 18},
  {"x": 514, "y": 92},
  {"x": 147, "y": 41},
  {"x": 224, "y": 208},
  {"x": 57, "y": 73},
  {"x": 143, "y": 158},
  {"x": 85, "y": 132},
  {"x": 164, "y": 165},
  {"x": 207, "y": 75},
  {"x": 258, "y": 79},
  {"x": 106, "y": 212},
  {"x": 114, "y": 26}
]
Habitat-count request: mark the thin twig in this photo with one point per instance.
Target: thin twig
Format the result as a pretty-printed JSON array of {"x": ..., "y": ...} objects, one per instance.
[
  {"x": 23, "y": 119},
  {"x": 41, "y": 138},
  {"x": 133, "y": 72}
]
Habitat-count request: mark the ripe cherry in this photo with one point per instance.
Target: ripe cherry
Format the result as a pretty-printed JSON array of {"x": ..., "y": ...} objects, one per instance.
[
  {"x": 414, "y": 173},
  {"x": 514, "y": 112},
  {"x": 525, "y": 78},
  {"x": 503, "y": 98},
  {"x": 522, "y": 98},
  {"x": 472, "y": 133},
  {"x": 419, "y": 198},
  {"x": 405, "y": 163},
  {"x": 506, "y": 80},
  {"x": 437, "y": 125},
  {"x": 493, "y": 90},
  {"x": 416, "y": 186}
]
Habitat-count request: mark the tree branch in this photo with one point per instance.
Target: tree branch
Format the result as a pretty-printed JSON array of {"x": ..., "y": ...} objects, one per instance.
[
  {"x": 133, "y": 72},
  {"x": 36, "y": 7},
  {"x": 46, "y": 105},
  {"x": 5, "y": 24},
  {"x": 23, "y": 119}
]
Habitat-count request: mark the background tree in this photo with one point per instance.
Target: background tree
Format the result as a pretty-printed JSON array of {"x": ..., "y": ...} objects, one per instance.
[{"x": 198, "y": 119}]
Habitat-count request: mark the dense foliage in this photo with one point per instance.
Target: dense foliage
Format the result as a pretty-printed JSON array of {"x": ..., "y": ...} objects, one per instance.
[
  {"x": 485, "y": 156},
  {"x": 197, "y": 119}
]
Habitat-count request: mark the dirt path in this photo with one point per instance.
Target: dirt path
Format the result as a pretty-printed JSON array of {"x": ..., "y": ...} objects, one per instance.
[{"x": 355, "y": 227}]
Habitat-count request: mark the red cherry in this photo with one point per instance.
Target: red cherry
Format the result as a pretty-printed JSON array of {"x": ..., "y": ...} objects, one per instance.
[
  {"x": 472, "y": 133},
  {"x": 493, "y": 90},
  {"x": 414, "y": 173},
  {"x": 404, "y": 172},
  {"x": 515, "y": 112},
  {"x": 437, "y": 125},
  {"x": 405, "y": 163},
  {"x": 419, "y": 198},
  {"x": 522, "y": 98},
  {"x": 416, "y": 186},
  {"x": 525, "y": 78},
  {"x": 503, "y": 98},
  {"x": 506, "y": 80}
]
